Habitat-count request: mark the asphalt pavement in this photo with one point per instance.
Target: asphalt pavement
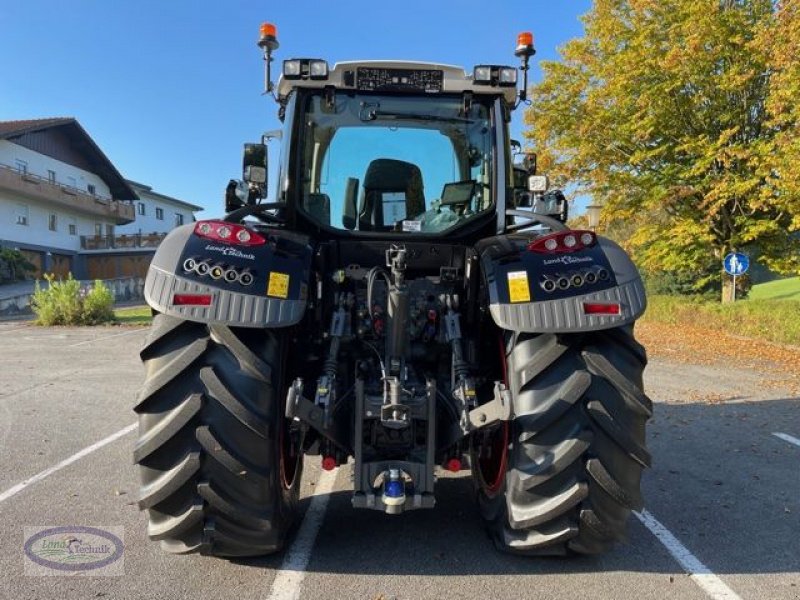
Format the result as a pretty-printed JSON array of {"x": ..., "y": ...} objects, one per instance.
[{"x": 724, "y": 490}]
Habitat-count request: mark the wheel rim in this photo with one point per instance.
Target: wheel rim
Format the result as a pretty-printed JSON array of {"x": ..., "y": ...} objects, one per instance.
[
  {"x": 493, "y": 452},
  {"x": 492, "y": 467},
  {"x": 289, "y": 456}
]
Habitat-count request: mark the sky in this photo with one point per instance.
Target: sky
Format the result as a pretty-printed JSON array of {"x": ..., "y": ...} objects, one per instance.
[{"x": 171, "y": 89}]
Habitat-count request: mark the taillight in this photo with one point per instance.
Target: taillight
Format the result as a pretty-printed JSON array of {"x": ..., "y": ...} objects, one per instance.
[
  {"x": 597, "y": 308},
  {"x": 230, "y": 233},
  {"x": 191, "y": 300},
  {"x": 563, "y": 241}
]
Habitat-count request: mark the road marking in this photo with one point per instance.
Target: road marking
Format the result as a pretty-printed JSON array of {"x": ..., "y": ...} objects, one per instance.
[
  {"x": 108, "y": 337},
  {"x": 698, "y": 572},
  {"x": 787, "y": 438},
  {"x": 286, "y": 585},
  {"x": 13, "y": 491}
]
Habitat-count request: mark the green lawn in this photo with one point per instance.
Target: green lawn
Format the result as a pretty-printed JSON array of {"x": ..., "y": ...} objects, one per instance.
[
  {"x": 135, "y": 315},
  {"x": 780, "y": 289}
]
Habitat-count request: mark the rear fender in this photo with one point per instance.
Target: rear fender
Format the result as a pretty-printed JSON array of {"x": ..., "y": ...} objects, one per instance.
[
  {"x": 515, "y": 281},
  {"x": 276, "y": 297}
]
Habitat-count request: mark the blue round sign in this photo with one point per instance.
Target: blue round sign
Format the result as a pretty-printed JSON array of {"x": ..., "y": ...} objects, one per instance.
[{"x": 736, "y": 264}]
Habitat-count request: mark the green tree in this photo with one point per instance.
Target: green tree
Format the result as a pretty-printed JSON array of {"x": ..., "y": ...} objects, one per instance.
[
  {"x": 14, "y": 265},
  {"x": 659, "y": 111}
]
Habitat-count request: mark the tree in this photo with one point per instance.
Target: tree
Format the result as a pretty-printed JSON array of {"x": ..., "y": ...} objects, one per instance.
[
  {"x": 782, "y": 158},
  {"x": 659, "y": 111},
  {"x": 14, "y": 265}
]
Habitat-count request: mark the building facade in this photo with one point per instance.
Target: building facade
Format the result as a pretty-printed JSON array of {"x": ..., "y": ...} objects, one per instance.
[
  {"x": 65, "y": 206},
  {"x": 157, "y": 213},
  {"x": 130, "y": 247}
]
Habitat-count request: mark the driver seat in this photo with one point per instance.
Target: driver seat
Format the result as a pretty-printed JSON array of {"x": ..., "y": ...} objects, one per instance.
[{"x": 395, "y": 179}]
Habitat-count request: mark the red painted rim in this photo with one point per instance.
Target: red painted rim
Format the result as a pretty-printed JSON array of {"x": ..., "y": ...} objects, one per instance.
[
  {"x": 288, "y": 460},
  {"x": 493, "y": 468}
]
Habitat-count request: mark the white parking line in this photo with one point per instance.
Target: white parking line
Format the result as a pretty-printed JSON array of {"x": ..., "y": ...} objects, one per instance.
[
  {"x": 108, "y": 337},
  {"x": 698, "y": 572},
  {"x": 286, "y": 585},
  {"x": 13, "y": 491},
  {"x": 787, "y": 438}
]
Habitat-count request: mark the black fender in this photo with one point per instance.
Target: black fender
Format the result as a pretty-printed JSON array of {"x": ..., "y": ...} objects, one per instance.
[
  {"x": 515, "y": 280},
  {"x": 275, "y": 297}
]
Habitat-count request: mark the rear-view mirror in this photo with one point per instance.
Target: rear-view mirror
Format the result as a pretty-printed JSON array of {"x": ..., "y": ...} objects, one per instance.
[{"x": 254, "y": 164}]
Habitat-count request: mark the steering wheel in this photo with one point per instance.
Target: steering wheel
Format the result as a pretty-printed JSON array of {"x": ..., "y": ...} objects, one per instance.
[
  {"x": 257, "y": 210},
  {"x": 533, "y": 219}
]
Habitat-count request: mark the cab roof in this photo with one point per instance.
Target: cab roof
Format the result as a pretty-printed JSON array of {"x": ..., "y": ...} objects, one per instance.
[{"x": 454, "y": 78}]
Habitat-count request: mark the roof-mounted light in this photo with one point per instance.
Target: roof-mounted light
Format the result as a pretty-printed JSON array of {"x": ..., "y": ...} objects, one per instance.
[
  {"x": 305, "y": 68},
  {"x": 291, "y": 69},
  {"x": 507, "y": 76},
  {"x": 494, "y": 75},
  {"x": 318, "y": 69},
  {"x": 482, "y": 75},
  {"x": 525, "y": 45},
  {"x": 269, "y": 37}
]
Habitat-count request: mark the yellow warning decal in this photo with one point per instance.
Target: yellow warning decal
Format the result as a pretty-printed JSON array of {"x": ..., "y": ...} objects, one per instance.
[
  {"x": 278, "y": 285},
  {"x": 518, "y": 289}
]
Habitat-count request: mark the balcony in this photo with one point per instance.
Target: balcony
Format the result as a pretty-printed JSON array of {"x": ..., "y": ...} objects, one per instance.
[
  {"x": 41, "y": 188},
  {"x": 122, "y": 242}
]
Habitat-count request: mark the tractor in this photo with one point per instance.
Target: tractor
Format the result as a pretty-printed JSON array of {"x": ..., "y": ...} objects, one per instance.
[{"x": 408, "y": 302}]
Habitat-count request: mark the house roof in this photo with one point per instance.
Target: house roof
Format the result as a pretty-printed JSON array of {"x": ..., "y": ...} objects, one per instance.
[
  {"x": 81, "y": 141},
  {"x": 140, "y": 187}
]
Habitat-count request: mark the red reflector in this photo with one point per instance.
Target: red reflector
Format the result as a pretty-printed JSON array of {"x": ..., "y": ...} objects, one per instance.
[
  {"x": 600, "y": 309},
  {"x": 191, "y": 300},
  {"x": 328, "y": 463},
  {"x": 453, "y": 465}
]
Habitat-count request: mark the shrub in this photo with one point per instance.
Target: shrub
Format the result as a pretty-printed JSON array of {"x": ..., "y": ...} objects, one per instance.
[
  {"x": 98, "y": 305},
  {"x": 65, "y": 303}
]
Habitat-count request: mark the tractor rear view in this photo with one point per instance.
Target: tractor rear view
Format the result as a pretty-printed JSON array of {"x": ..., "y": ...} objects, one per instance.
[{"x": 410, "y": 301}]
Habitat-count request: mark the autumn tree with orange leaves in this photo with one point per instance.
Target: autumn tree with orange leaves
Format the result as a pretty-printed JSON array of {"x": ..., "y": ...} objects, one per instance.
[{"x": 680, "y": 117}]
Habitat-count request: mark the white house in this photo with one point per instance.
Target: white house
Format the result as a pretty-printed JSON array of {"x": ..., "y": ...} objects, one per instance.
[
  {"x": 157, "y": 213},
  {"x": 68, "y": 209}
]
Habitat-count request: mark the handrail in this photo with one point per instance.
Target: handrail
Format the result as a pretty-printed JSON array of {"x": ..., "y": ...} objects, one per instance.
[
  {"x": 39, "y": 178},
  {"x": 120, "y": 241}
]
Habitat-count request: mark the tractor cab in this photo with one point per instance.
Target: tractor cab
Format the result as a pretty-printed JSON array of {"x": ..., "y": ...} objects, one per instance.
[{"x": 387, "y": 147}]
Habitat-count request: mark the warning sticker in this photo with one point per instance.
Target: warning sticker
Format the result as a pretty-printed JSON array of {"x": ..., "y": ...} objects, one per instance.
[
  {"x": 518, "y": 289},
  {"x": 278, "y": 285}
]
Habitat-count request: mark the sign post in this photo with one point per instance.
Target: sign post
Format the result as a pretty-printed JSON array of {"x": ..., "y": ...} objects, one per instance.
[{"x": 736, "y": 264}]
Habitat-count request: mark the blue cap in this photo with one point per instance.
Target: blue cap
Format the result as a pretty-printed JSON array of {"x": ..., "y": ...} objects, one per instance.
[{"x": 394, "y": 489}]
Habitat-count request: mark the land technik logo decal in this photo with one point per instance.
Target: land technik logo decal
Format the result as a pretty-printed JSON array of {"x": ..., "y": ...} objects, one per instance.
[{"x": 73, "y": 550}]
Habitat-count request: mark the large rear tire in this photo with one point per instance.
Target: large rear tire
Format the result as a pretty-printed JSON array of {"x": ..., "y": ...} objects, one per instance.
[
  {"x": 565, "y": 474},
  {"x": 219, "y": 473}
]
